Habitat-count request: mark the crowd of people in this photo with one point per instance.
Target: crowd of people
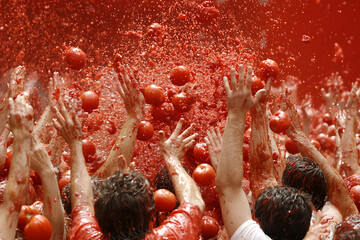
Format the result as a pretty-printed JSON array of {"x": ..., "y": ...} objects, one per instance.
[{"x": 304, "y": 195}]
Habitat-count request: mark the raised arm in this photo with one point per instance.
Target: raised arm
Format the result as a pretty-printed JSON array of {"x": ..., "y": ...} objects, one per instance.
[
  {"x": 213, "y": 142},
  {"x": 234, "y": 204},
  {"x": 134, "y": 104},
  {"x": 262, "y": 172},
  {"x": 53, "y": 208},
  {"x": 173, "y": 149},
  {"x": 21, "y": 124},
  {"x": 349, "y": 154},
  {"x": 337, "y": 191},
  {"x": 70, "y": 129}
]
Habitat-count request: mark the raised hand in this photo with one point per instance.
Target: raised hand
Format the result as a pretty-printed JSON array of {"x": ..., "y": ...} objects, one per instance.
[
  {"x": 178, "y": 143},
  {"x": 133, "y": 98},
  {"x": 213, "y": 142},
  {"x": 68, "y": 127},
  {"x": 288, "y": 106},
  {"x": 21, "y": 115},
  {"x": 239, "y": 97}
]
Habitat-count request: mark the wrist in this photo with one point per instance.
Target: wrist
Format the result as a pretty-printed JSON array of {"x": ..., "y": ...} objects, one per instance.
[{"x": 75, "y": 145}]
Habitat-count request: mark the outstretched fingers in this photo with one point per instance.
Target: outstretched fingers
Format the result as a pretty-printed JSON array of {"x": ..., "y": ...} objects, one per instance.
[
  {"x": 178, "y": 128},
  {"x": 248, "y": 78}
]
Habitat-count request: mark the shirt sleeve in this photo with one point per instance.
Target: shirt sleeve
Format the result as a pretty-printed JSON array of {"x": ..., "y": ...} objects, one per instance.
[
  {"x": 183, "y": 223},
  {"x": 84, "y": 224},
  {"x": 250, "y": 230}
]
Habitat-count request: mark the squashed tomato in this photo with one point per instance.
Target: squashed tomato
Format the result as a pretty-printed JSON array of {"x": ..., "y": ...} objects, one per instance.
[
  {"x": 90, "y": 101},
  {"x": 280, "y": 122},
  {"x": 75, "y": 58},
  {"x": 164, "y": 200},
  {"x": 201, "y": 153},
  {"x": 39, "y": 228},
  {"x": 180, "y": 75},
  {"x": 209, "y": 227},
  {"x": 204, "y": 174},
  {"x": 145, "y": 131},
  {"x": 181, "y": 102},
  {"x": 291, "y": 147},
  {"x": 154, "y": 95},
  {"x": 88, "y": 148},
  {"x": 26, "y": 213}
]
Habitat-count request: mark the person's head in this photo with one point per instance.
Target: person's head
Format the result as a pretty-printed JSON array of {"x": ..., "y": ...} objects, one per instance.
[
  {"x": 349, "y": 229},
  {"x": 124, "y": 206},
  {"x": 284, "y": 213},
  {"x": 162, "y": 180},
  {"x": 304, "y": 174}
]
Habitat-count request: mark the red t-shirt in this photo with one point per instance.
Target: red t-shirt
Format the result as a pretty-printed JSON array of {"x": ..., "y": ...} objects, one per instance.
[{"x": 183, "y": 223}]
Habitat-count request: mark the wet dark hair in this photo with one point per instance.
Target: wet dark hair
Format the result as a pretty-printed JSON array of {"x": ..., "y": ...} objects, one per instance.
[
  {"x": 125, "y": 206},
  {"x": 162, "y": 180},
  {"x": 349, "y": 229},
  {"x": 284, "y": 213},
  {"x": 305, "y": 174},
  {"x": 66, "y": 195}
]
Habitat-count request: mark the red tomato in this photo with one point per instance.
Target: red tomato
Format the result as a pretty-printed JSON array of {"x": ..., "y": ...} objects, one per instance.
[
  {"x": 88, "y": 148},
  {"x": 201, "y": 153},
  {"x": 164, "y": 200},
  {"x": 25, "y": 215},
  {"x": 181, "y": 102},
  {"x": 355, "y": 194},
  {"x": 327, "y": 118},
  {"x": 39, "y": 228},
  {"x": 280, "y": 122},
  {"x": 324, "y": 141},
  {"x": 65, "y": 180},
  {"x": 256, "y": 85},
  {"x": 165, "y": 112},
  {"x": 204, "y": 174},
  {"x": 75, "y": 57},
  {"x": 268, "y": 69},
  {"x": 145, "y": 131},
  {"x": 247, "y": 136},
  {"x": 291, "y": 147},
  {"x": 90, "y": 101},
  {"x": 180, "y": 75},
  {"x": 154, "y": 95},
  {"x": 209, "y": 227}
]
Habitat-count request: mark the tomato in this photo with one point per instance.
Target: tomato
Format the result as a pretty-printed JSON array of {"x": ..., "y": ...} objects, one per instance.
[
  {"x": 355, "y": 194},
  {"x": 201, "y": 153},
  {"x": 90, "y": 101},
  {"x": 65, "y": 180},
  {"x": 204, "y": 174},
  {"x": 25, "y": 215},
  {"x": 154, "y": 95},
  {"x": 181, "y": 102},
  {"x": 165, "y": 112},
  {"x": 324, "y": 141},
  {"x": 180, "y": 75},
  {"x": 209, "y": 227},
  {"x": 39, "y": 228},
  {"x": 280, "y": 122},
  {"x": 316, "y": 144},
  {"x": 327, "y": 118},
  {"x": 256, "y": 85},
  {"x": 145, "y": 131},
  {"x": 75, "y": 58},
  {"x": 164, "y": 200},
  {"x": 88, "y": 148},
  {"x": 291, "y": 147},
  {"x": 268, "y": 69}
]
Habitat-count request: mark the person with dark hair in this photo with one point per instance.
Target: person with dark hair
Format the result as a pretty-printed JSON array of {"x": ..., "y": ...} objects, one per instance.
[
  {"x": 271, "y": 205},
  {"x": 124, "y": 206},
  {"x": 305, "y": 174},
  {"x": 349, "y": 229}
]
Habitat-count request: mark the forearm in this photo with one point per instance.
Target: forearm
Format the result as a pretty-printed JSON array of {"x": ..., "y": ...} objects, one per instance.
[
  {"x": 56, "y": 148},
  {"x": 230, "y": 168},
  {"x": 349, "y": 153},
  {"x": 81, "y": 189},
  {"x": 124, "y": 146},
  {"x": 53, "y": 208},
  {"x": 3, "y": 147},
  {"x": 40, "y": 129},
  {"x": 337, "y": 190},
  {"x": 261, "y": 161},
  {"x": 17, "y": 185},
  {"x": 185, "y": 188}
]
